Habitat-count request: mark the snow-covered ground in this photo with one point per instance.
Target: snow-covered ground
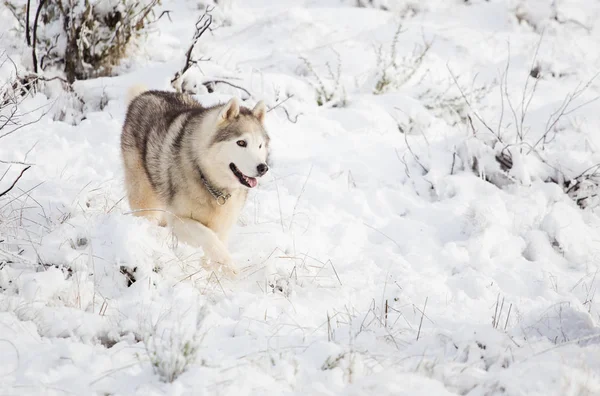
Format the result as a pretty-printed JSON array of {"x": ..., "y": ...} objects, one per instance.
[{"x": 386, "y": 254}]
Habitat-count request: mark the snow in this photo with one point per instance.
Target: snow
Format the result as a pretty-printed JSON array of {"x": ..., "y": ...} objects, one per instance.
[{"x": 386, "y": 252}]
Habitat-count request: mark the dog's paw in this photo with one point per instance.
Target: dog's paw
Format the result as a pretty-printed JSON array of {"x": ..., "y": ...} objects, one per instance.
[
  {"x": 220, "y": 257},
  {"x": 228, "y": 270},
  {"x": 219, "y": 260}
]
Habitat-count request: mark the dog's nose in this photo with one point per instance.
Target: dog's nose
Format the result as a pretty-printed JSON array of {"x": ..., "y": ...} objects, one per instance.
[{"x": 262, "y": 169}]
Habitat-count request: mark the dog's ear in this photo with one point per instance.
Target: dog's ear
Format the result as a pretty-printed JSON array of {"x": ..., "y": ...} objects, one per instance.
[
  {"x": 259, "y": 111},
  {"x": 230, "y": 110}
]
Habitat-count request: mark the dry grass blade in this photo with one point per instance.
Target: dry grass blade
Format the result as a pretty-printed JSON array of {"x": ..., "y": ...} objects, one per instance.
[
  {"x": 298, "y": 199},
  {"x": 385, "y": 235},
  {"x": 508, "y": 317},
  {"x": 422, "y": 315}
]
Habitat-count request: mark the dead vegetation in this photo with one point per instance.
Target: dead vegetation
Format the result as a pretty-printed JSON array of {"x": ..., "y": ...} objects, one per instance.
[
  {"x": 393, "y": 73},
  {"x": 328, "y": 90},
  {"x": 13, "y": 171},
  {"x": 514, "y": 137},
  {"x": 97, "y": 37},
  {"x": 203, "y": 24}
]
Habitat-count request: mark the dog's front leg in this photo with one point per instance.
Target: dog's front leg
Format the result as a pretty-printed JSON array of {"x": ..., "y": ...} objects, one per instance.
[{"x": 197, "y": 234}]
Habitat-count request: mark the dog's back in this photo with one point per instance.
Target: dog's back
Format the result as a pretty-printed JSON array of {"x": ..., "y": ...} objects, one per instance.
[
  {"x": 153, "y": 127},
  {"x": 150, "y": 116}
]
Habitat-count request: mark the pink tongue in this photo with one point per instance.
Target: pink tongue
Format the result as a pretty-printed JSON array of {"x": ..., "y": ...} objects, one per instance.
[{"x": 251, "y": 181}]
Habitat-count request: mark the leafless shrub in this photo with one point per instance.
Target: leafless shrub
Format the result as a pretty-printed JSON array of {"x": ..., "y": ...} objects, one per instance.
[
  {"x": 394, "y": 73},
  {"x": 87, "y": 39},
  {"x": 12, "y": 94},
  {"x": 328, "y": 90},
  {"x": 584, "y": 188},
  {"x": 506, "y": 140},
  {"x": 173, "y": 345},
  {"x": 12, "y": 119}
]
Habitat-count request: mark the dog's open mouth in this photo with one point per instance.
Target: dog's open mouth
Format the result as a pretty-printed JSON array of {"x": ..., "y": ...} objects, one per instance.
[{"x": 245, "y": 180}]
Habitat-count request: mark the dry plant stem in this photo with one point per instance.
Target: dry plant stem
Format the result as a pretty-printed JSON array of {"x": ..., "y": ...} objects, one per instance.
[
  {"x": 453, "y": 163},
  {"x": 298, "y": 199},
  {"x": 416, "y": 157},
  {"x": 281, "y": 102},
  {"x": 564, "y": 110},
  {"x": 208, "y": 83},
  {"x": 507, "y": 317},
  {"x": 525, "y": 106},
  {"x": 14, "y": 182},
  {"x": 422, "y": 315},
  {"x": 287, "y": 114},
  {"x": 496, "y": 311},
  {"x": 475, "y": 113},
  {"x": 510, "y": 105},
  {"x": 22, "y": 125}
]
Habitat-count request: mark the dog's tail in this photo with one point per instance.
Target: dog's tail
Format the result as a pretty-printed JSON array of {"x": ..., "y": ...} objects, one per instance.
[{"x": 134, "y": 91}]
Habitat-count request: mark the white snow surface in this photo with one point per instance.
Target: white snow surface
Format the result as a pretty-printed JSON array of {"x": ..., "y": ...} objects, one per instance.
[{"x": 373, "y": 260}]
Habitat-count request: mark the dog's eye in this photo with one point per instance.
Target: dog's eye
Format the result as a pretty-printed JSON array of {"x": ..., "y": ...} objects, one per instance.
[
  {"x": 242, "y": 143},
  {"x": 260, "y": 146}
]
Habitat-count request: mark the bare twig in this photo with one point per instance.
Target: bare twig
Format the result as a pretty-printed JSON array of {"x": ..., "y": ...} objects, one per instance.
[
  {"x": 285, "y": 110},
  {"x": 14, "y": 182},
  {"x": 525, "y": 106},
  {"x": 202, "y": 25},
  {"x": 22, "y": 125},
  {"x": 281, "y": 102},
  {"x": 287, "y": 114},
  {"x": 15, "y": 162},
  {"x": 564, "y": 110},
  {"x": 167, "y": 13},
  {"x": 207, "y": 84},
  {"x": 415, "y": 156}
]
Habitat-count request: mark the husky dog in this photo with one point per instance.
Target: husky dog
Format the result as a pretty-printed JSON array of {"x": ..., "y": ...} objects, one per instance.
[{"x": 190, "y": 167}]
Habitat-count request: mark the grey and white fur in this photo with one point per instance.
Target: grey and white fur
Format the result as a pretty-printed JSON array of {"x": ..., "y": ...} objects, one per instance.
[{"x": 190, "y": 167}]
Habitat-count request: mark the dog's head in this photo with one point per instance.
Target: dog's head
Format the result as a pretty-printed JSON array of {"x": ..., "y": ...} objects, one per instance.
[{"x": 240, "y": 145}]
